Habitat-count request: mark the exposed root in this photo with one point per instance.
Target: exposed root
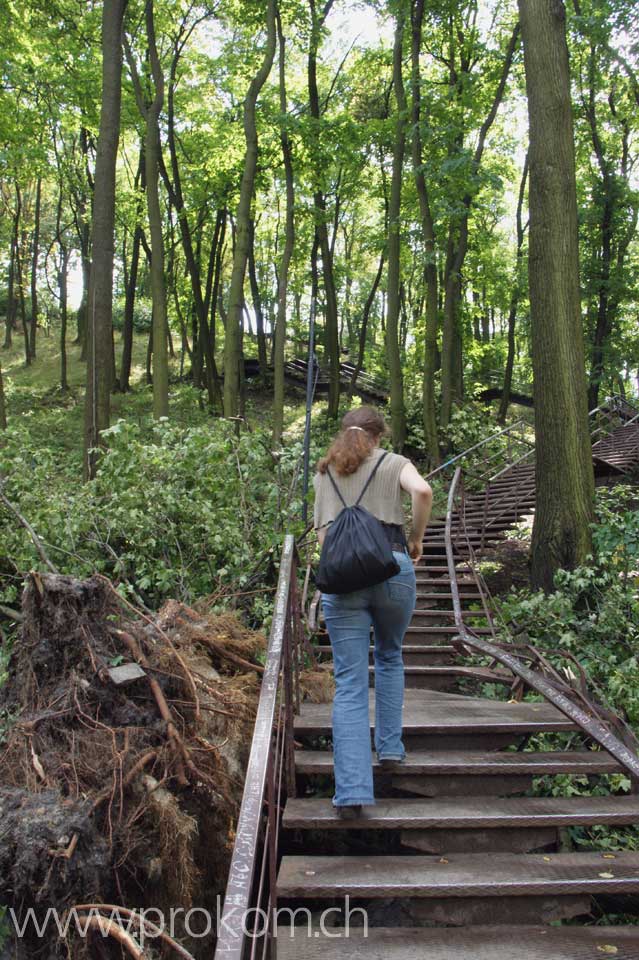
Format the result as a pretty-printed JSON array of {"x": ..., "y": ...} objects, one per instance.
[
  {"x": 121, "y": 786},
  {"x": 149, "y": 928}
]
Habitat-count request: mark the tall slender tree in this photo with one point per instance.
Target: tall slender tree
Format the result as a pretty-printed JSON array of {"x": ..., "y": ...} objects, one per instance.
[
  {"x": 457, "y": 246},
  {"x": 279, "y": 338},
  {"x": 429, "y": 414},
  {"x": 35, "y": 256},
  {"x": 323, "y": 245},
  {"x": 398, "y": 412},
  {"x": 150, "y": 110},
  {"x": 514, "y": 298},
  {"x": 3, "y": 406},
  {"x": 232, "y": 340},
  {"x": 563, "y": 468},
  {"x": 100, "y": 301}
]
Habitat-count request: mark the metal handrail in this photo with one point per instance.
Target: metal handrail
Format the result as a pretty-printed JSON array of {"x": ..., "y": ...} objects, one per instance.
[
  {"x": 546, "y": 680},
  {"x": 251, "y": 885},
  {"x": 475, "y": 446}
]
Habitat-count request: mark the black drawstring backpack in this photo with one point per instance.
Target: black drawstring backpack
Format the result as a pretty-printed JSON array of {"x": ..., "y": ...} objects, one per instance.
[{"x": 356, "y": 552}]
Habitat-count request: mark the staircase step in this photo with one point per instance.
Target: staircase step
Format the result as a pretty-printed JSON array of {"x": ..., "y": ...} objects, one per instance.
[
  {"x": 425, "y": 713},
  {"x": 444, "y": 628},
  {"x": 448, "y": 595},
  {"x": 492, "y": 763},
  {"x": 450, "y": 672},
  {"x": 459, "y": 875},
  {"x": 465, "y": 943},
  {"x": 458, "y": 813},
  {"x": 425, "y": 654},
  {"x": 442, "y": 612}
]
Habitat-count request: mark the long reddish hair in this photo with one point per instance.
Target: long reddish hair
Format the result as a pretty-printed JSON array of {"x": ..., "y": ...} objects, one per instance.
[{"x": 351, "y": 447}]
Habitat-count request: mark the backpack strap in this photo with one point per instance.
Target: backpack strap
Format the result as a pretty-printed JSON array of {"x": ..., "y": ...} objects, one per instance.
[
  {"x": 366, "y": 485},
  {"x": 368, "y": 482},
  {"x": 337, "y": 491}
]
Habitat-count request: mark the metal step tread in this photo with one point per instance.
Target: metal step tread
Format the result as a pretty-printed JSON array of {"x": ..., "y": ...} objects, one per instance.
[
  {"x": 490, "y": 763},
  {"x": 455, "y": 943},
  {"x": 464, "y": 813},
  {"x": 454, "y": 670},
  {"x": 458, "y": 875},
  {"x": 445, "y": 628},
  {"x": 442, "y": 612},
  {"x": 425, "y": 713}
]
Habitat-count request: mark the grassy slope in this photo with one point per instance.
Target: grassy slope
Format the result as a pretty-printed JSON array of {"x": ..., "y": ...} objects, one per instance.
[{"x": 43, "y": 375}]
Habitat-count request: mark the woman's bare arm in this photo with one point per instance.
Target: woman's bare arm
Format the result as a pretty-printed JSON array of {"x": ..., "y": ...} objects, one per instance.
[{"x": 422, "y": 499}]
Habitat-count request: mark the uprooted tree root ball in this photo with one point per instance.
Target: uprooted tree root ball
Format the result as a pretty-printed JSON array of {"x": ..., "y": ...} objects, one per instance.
[{"x": 121, "y": 773}]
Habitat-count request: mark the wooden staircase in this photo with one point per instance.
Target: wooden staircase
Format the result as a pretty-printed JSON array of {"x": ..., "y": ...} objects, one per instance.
[{"x": 457, "y": 858}]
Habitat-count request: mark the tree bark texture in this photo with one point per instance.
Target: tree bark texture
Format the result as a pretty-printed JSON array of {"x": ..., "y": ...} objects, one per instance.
[
  {"x": 100, "y": 301},
  {"x": 63, "y": 287},
  {"x": 152, "y": 152},
  {"x": 232, "y": 340},
  {"x": 452, "y": 340},
  {"x": 331, "y": 340},
  {"x": 11, "y": 294},
  {"x": 398, "y": 413},
  {"x": 429, "y": 415},
  {"x": 564, "y": 472},
  {"x": 35, "y": 256},
  {"x": 257, "y": 304},
  {"x": 279, "y": 334},
  {"x": 132, "y": 279},
  {"x": 202, "y": 336},
  {"x": 3, "y": 406},
  {"x": 514, "y": 300}
]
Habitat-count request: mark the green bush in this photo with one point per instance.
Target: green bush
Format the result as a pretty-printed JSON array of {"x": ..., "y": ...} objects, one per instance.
[
  {"x": 142, "y": 312},
  {"x": 174, "y": 511},
  {"x": 593, "y": 613}
]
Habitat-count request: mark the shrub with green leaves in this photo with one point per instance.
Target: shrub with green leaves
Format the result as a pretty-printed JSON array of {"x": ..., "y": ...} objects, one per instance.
[
  {"x": 174, "y": 511},
  {"x": 142, "y": 314},
  {"x": 593, "y": 613}
]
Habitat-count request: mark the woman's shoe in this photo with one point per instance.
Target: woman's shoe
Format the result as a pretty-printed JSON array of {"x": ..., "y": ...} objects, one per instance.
[
  {"x": 349, "y": 811},
  {"x": 390, "y": 761}
]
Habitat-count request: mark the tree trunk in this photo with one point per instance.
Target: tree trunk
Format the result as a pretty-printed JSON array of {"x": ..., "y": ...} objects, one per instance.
[
  {"x": 34, "y": 269},
  {"x": 20, "y": 247},
  {"x": 3, "y": 406},
  {"x": 514, "y": 300},
  {"x": 152, "y": 152},
  {"x": 158, "y": 286},
  {"x": 99, "y": 327},
  {"x": 563, "y": 468},
  {"x": 132, "y": 279},
  {"x": 452, "y": 339},
  {"x": 64, "y": 301},
  {"x": 321, "y": 226},
  {"x": 11, "y": 296},
  {"x": 84, "y": 238},
  {"x": 429, "y": 417},
  {"x": 232, "y": 341},
  {"x": 363, "y": 329},
  {"x": 63, "y": 286},
  {"x": 279, "y": 334},
  {"x": 257, "y": 304},
  {"x": 398, "y": 414},
  {"x": 214, "y": 298},
  {"x": 202, "y": 339}
]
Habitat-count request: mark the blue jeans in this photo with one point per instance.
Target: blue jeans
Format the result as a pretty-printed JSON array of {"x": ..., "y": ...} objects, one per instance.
[{"x": 388, "y": 608}]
